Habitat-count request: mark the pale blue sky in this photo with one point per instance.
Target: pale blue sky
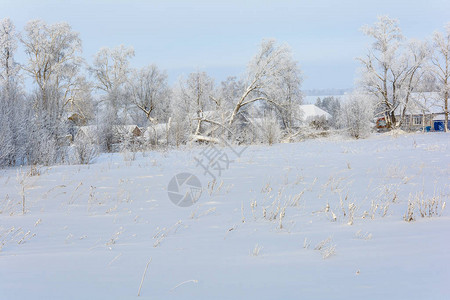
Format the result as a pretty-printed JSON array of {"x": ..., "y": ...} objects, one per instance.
[{"x": 221, "y": 36}]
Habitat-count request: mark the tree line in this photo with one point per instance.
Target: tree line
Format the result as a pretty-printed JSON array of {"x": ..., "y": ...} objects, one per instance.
[{"x": 38, "y": 123}]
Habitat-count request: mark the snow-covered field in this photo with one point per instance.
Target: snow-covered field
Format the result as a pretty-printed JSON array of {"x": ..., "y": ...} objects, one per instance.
[{"x": 320, "y": 219}]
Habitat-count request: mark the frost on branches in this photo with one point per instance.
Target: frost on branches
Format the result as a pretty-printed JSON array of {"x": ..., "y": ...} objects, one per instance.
[
  {"x": 392, "y": 69},
  {"x": 356, "y": 115}
]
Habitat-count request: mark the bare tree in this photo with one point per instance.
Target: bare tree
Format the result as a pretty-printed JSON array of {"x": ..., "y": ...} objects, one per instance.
[
  {"x": 54, "y": 63},
  {"x": 391, "y": 71},
  {"x": 111, "y": 68},
  {"x": 150, "y": 92},
  {"x": 272, "y": 77},
  {"x": 8, "y": 46},
  {"x": 7, "y": 149},
  {"x": 179, "y": 123},
  {"x": 53, "y": 60},
  {"x": 197, "y": 90},
  {"x": 289, "y": 96},
  {"x": 228, "y": 91},
  {"x": 196, "y": 95},
  {"x": 9, "y": 69},
  {"x": 441, "y": 66},
  {"x": 12, "y": 115},
  {"x": 80, "y": 100}
]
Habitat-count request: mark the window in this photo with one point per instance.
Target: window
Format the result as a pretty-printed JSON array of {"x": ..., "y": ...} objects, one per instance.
[{"x": 417, "y": 120}]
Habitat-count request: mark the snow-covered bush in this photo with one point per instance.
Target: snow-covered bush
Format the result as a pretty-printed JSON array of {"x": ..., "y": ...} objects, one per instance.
[
  {"x": 320, "y": 123},
  {"x": 270, "y": 131},
  {"x": 179, "y": 131},
  {"x": 356, "y": 115},
  {"x": 46, "y": 143},
  {"x": 106, "y": 131},
  {"x": 83, "y": 152}
]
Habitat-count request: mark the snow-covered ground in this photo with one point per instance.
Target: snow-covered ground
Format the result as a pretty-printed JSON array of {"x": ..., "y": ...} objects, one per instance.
[{"x": 90, "y": 231}]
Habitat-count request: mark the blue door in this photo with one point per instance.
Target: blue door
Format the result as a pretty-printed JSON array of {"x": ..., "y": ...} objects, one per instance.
[{"x": 438, "y": 125}]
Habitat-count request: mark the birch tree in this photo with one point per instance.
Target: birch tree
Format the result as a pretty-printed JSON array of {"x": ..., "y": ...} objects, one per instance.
[
  {"x": 288, "y": 95},
  {"x": 272, "y": 77},
  {"x": 54, "y": 60},
  {"x": 391, "y": 69},
  {"x": 441, "y": 67}
]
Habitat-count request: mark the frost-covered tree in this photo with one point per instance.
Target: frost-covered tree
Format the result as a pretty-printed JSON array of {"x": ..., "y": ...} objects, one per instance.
[
  {"x": 12, "y": 113},
  {"x": 441, "y": 66},
  {"x": 8, "y": 46},
  {"x": 391, "y": 69},
  {"x": 179, "y": 124},
  {"x": 111, "y": 68},
  {"x": 272, "y": 77},
  {"x": 149, "y": 92},
  {"x": 195, "y": 94},
  {"x": 54, "y": 61},
  {"x": 80, "y": 102},
  {"x": 9, "y": 69},
  {"x": 356, "y": 114},
  {"x": 228, "y": 91},
  {"x": 7, "y": 148},
  {"x": 288, "y": 95},
  {"x": 269, "y": 130}
]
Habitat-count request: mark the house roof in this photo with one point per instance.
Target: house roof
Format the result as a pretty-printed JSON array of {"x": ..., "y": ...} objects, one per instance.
[
  {"x": 126, "y": 128},
  {"x": 310, "y": 111}
]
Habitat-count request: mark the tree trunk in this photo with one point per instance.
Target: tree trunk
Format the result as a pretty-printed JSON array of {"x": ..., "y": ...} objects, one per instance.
[{"x": 446, "y": 111}]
